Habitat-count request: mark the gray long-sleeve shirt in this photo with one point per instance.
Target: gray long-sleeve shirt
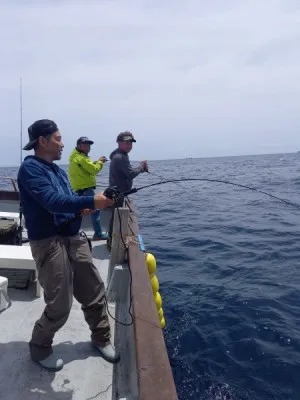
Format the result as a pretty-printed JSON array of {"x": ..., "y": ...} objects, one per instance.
[{"x": 121, "y": 173}]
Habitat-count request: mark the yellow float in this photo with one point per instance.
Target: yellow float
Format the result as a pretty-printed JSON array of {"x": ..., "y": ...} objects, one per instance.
[
  {"x": 151, "y": 265},
  {"x": 154, "y": 284},
  {"x": 158, "y": 300}
]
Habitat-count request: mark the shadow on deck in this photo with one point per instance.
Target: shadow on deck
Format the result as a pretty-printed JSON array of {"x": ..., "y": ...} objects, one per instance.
[
  {"x": 32, "y": 387},
  {"x": 34, "y": 383}
]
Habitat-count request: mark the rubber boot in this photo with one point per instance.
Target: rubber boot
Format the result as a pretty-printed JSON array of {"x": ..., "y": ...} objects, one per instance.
[
  {"x": 108, "y": 352},
  {"x": 52, "y": 363}
]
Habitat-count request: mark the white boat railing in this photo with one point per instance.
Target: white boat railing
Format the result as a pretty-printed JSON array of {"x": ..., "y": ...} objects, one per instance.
[
  {"x": 12, "y": 180},
  {"x": 14, "y": 183}
]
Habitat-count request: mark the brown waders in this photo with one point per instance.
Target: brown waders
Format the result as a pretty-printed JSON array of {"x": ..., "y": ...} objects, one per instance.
[{"x": 65, "y": 267}]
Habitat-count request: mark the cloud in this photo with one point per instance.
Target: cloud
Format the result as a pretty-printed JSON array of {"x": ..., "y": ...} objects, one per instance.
[{"x": 212, "y": 78}]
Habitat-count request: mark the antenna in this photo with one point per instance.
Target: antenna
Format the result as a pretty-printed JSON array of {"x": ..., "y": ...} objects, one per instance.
[
  {"x": 20, "y": 227},
  {"x": 21, "y": 122}
]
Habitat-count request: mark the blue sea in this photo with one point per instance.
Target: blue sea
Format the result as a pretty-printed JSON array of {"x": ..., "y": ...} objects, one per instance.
[{"x": 228, "y": 263}]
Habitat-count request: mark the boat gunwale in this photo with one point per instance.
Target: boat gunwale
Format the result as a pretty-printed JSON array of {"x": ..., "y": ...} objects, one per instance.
[{"x": 155, "y": 377}]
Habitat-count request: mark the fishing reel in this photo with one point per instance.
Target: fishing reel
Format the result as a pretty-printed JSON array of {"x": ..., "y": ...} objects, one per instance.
[{"x": 112, "y": 193}]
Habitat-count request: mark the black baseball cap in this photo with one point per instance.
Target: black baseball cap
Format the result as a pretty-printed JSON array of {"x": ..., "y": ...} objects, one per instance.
[
  {"x": 84, "y": 140},
  {"x": 42, "y": 127},
  {"x": 126, "y": 137}
]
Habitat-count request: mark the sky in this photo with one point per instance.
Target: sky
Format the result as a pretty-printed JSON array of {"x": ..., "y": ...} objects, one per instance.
[{"x": 189, "y": 78}]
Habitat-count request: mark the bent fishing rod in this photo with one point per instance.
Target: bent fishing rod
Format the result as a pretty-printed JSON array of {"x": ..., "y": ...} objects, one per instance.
[{"x": 114, "y": 194}]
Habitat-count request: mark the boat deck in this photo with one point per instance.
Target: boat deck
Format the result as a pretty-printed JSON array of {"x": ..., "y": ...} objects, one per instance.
[
  {"x": 85, "y": 375},
  {"x": 144, "y": 371}
]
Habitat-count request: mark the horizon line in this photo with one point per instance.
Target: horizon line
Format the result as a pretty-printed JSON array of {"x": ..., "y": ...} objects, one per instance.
[{"x": 187, "y": 158}]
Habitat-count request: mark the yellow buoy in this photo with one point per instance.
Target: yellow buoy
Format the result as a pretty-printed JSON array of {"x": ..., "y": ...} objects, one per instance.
[
  {"x": 151, "y": 263},
  {"x": 158, "y": 300},
  {"x": 160, "y": 313},
  {"x": 154, "y": 284},
  {"x": 162, "y": 322}
]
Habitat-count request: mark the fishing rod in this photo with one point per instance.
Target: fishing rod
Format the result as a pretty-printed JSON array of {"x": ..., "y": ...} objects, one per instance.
[
  {"x": 114, "y": 194},
  {"x": 20, "y": 227},
  {"x": 21, "y": 121}
]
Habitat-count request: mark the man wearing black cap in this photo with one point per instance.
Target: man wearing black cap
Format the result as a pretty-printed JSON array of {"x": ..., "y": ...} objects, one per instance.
[
  {"x": 82, "y": 175},
  {"x": 121, "y": 173},
  {"x": 64, "y": 263}
]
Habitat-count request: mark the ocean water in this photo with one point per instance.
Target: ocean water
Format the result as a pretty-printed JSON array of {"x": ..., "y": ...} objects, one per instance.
[{"x": 228, "y": 263}]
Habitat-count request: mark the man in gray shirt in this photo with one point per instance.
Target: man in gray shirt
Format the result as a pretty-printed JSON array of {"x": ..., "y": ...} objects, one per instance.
[{"x": 121, "y": 173}]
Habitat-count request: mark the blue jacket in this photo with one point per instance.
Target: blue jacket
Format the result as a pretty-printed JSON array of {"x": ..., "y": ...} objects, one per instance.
[{"x": 47, "y": 199}]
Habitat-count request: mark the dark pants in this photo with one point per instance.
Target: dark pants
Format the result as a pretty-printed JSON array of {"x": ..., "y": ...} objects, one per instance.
[
  {"x": 95, "y": 216},
  {"x": 132, "y": 216},
  {"x": 65, "y": 267}
]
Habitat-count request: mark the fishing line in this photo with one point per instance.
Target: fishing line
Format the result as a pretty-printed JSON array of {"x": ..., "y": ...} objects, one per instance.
[
  {"x": 157, "y": 176},
  {"x": 176, "y": 183}
]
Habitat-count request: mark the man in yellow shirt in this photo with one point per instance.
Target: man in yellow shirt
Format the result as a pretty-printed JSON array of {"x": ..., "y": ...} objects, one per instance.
[{"x": 82, "y": 175}]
